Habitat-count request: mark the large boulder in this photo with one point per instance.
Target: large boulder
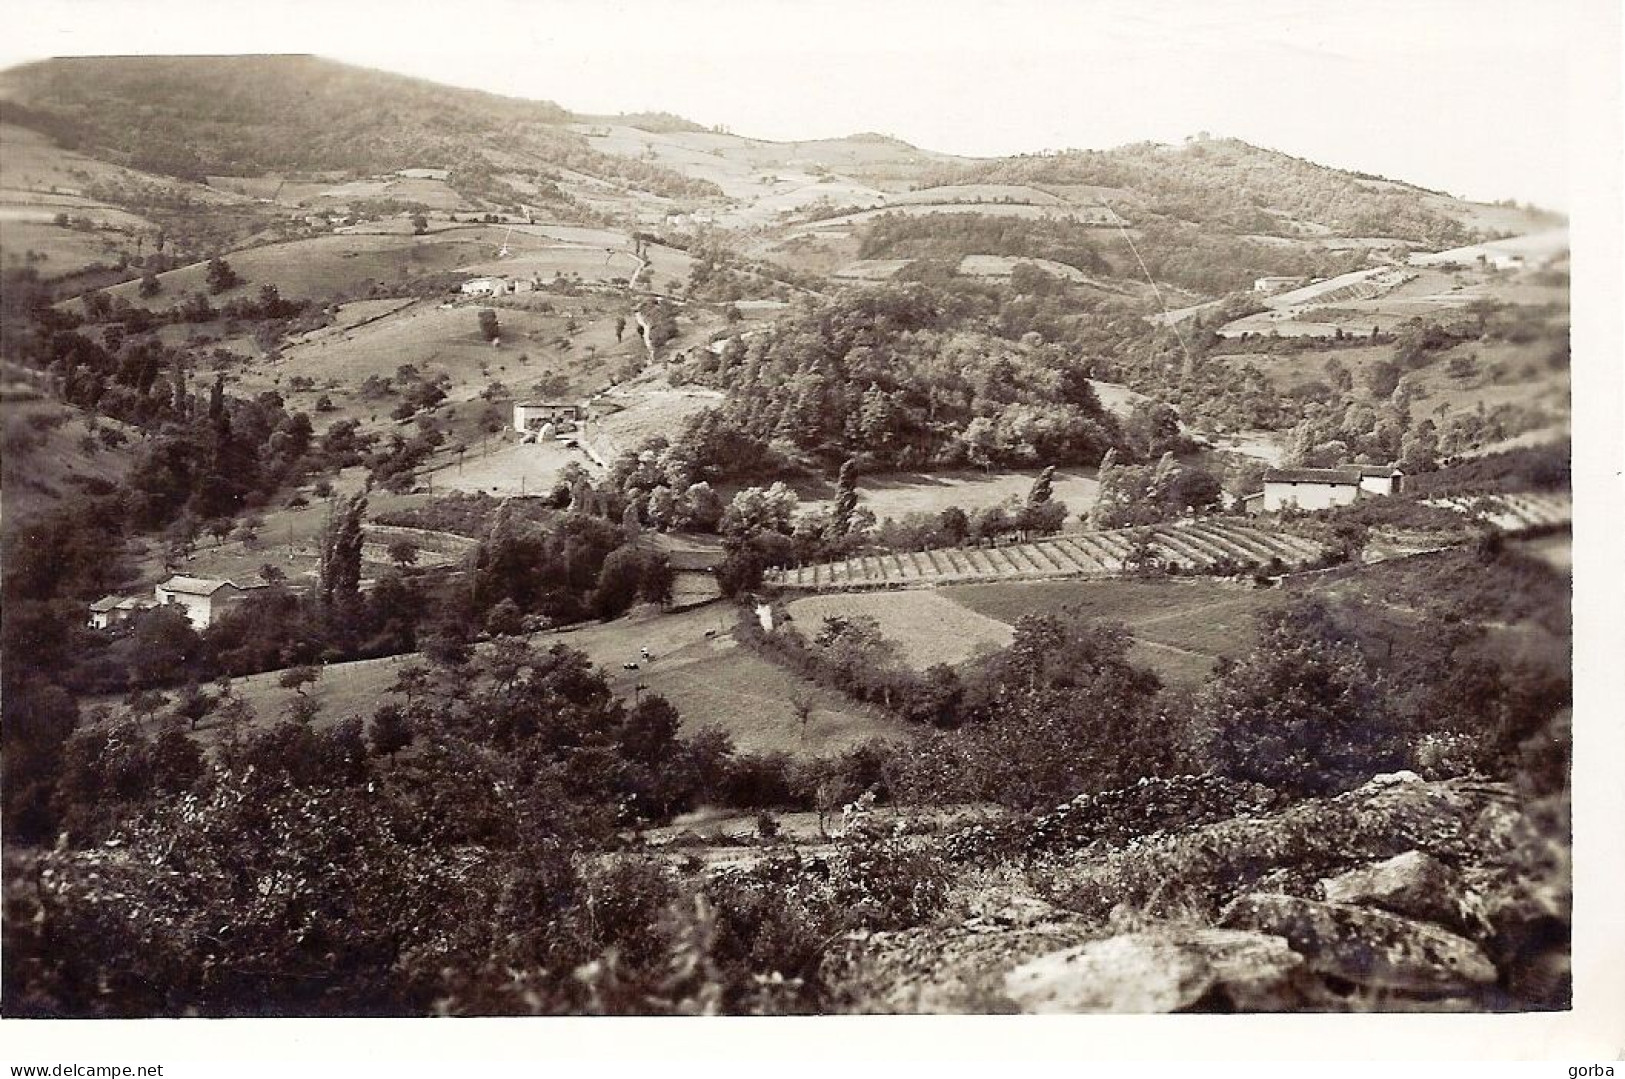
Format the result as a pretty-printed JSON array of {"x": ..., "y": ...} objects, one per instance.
[
  {"x": 1367, "y": 947},
  {"x": 1167, "y": 969},
  {"x": 1413, "y": 884}
]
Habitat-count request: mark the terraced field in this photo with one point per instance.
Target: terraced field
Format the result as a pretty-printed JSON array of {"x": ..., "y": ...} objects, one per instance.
[
  {"x": 1514, "y": 512},
  {"x": 1197, "y": 546}
]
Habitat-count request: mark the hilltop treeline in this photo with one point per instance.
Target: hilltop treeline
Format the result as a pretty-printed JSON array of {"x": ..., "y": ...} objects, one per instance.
[
  {"x": 192, "y": 117},
  {"x": 1231, "y": 185}
]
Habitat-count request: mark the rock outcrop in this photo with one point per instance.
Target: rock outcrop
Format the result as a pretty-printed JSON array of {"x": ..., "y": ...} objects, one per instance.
[
  {"x": 1167, "y": 969},
  {"x": 1367, "y": 947},
  {"x": 1413, "y": 884}
]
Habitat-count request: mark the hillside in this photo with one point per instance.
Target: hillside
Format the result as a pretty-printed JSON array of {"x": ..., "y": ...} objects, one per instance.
[
  {"x": 53, "y": 451},
  {"x": 194, "y": 117},
  {"x": 1230, "y": 184}
]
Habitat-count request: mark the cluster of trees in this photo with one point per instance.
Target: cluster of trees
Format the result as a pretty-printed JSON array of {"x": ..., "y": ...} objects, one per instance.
[
  {"x": 579, "y": 565},
  {"x": 498, "y": 778},
  {"x": 889, "y": 377},
  {"x": 480, "y": 798},
  {"x": 267, "y": 305},
  {"x": 1149, "y": 494}
]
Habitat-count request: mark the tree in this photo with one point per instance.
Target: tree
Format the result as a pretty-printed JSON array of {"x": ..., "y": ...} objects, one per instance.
[
  {"x": 221, "y": 277},
  {"x": 420, "y": 224},
  {"x": 620, "y": 328},
  {"x": 391, "y": 730},
  {"x": 340, "y": 575},
  {"x": 149, "y": 287},
  {"x": 488, "y": 324},
  {"x": 846, "y": 498},
  {"x": 618, "y": 583},
  {"x": 1302, "y": 711},
  {"x": 162, "y": 644},
  {"x": 1043, "y": 488},
  {"x": 701, "y": 507},
  {"x": 219, "y": 528},
  {"x": 1419, "y": 449},
  {"x": 193, "y": 704},
  {"x": 505, "y": 619},
  {"x": 297, "y": 678},
  {"x": 404, "y": 553},
  {"x": 248, "y": 531}
]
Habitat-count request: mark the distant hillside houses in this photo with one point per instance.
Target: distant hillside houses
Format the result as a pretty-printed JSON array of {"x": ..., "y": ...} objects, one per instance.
[
  {"x": 1276, "y": 284},
  {"x": 1322, "y": 488},
  {"x": 202, "y": 599}
]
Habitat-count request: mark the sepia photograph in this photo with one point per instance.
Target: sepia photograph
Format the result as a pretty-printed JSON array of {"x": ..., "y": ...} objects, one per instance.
[{"x": 629, "y": 510}]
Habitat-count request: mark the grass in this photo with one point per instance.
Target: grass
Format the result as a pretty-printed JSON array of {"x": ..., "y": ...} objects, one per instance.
[
  {"x": 928, "y": 627},
  {"x": 325, "y": 266},
  {"x": 1180, "y": 627},
  {"x": 45, "y": 456},
  {"x": 894, "y": 494},
  {"x": 711, "y": 681}
]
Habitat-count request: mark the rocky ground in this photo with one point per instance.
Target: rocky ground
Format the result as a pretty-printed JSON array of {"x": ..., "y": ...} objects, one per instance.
[{"x": 1403, "y": 895}]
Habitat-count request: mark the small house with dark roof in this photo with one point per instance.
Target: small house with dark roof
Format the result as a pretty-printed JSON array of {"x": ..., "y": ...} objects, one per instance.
[
  {"x": 109, "y": 611},
  {"x": 1323, "y": 488}
]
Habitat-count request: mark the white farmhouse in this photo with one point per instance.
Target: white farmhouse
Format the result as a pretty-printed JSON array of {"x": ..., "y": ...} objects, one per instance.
[
  {"x": 531, "y": 416},
  {"x": 202, "y": 599},
  {"x": 1323, "y": 488},
  {"x": 487, "y": 286}
]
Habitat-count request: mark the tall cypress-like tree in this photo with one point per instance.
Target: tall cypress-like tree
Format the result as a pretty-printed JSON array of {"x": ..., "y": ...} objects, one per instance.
[
  {"x": 1043, "y": 488},
  {"x": 341, "y": 554},
  {"x": 846, "y": 496}
]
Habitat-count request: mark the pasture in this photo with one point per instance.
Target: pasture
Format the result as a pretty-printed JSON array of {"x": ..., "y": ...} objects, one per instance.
[
  {"x": 1180, "y": 627},
  {"x": 711, "y": 681},
  {"x": 927, "y": 626},
  {"x": 324, "y": 267},
  {"x": 514, "y": 468},
  {"x": 895, "y": 494}
]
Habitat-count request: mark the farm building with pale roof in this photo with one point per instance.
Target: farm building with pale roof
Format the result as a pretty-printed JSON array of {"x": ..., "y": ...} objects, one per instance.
[{"x": 1323, "y": 488}]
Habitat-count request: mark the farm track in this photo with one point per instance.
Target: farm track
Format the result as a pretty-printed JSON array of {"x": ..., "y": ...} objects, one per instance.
[{"x": 1194, "y": 547}]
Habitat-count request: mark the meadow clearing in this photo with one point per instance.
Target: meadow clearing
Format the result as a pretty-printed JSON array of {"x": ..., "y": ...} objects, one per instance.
[
  {"x": 1180, "y": 627},
  {"x": 927, "y": 626},
  {"x": 893, "y": 494},
  {"x": 711, "y": 681}
]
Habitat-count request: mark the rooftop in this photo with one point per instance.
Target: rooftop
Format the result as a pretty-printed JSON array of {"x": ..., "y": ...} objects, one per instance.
[
  {"x": 194, "y": 586},
  {"x": 1342, "y": 474},
  {"x": 1336, "y": 476}
]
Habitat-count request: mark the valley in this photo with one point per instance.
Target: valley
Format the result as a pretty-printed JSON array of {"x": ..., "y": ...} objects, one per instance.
[{"x": 620, "y": 565}]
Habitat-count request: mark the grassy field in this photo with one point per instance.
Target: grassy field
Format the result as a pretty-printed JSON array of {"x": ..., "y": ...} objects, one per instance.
[
  {"x": 927, "y": 626},
  {"x": 1180, "y": 627},
  {"x": 712, "y": 682},
  {"x": 322, "y": 267},
  {"x": 895, "y": 494}
]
